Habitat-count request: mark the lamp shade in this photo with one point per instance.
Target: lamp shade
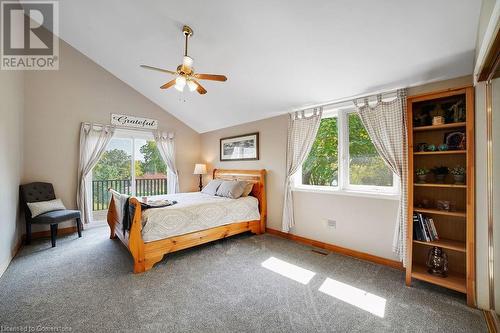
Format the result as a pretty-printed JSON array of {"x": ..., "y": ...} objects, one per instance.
[{"x": 200, "y": 169}]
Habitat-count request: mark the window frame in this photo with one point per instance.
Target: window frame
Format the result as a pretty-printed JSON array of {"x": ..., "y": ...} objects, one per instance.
[{"x": 344, "y": 186}]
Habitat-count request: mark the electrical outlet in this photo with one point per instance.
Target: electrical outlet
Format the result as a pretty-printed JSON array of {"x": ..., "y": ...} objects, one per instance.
[{"x": 331, "y": 223}]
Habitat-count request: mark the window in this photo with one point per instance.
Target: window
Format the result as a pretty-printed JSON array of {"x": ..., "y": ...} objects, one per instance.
[
  {"x": 131, "y": 164},
  {"x": 321, "y": 167},
  {"x": 366, "y": 167},
  {"x": 343, "y": 159}
]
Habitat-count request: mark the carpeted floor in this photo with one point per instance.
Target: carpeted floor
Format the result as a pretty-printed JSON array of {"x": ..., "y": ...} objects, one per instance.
[{"x": 86, "y": 285}]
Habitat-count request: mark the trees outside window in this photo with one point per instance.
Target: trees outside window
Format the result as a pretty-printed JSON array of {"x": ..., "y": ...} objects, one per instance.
[
  {"x": 343, "y": 157},
  {"x": 131, "y": 165}
]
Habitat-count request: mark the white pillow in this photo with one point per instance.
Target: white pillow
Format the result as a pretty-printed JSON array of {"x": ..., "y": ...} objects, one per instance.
[
  {"x": 41, "y": 207},
  {"x": 212, "y": 187},
  {"x": 232, "y": 189}
]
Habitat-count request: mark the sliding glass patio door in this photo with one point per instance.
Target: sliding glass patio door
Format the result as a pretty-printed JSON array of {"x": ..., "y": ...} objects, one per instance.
[{"x": 130, "y": 165}]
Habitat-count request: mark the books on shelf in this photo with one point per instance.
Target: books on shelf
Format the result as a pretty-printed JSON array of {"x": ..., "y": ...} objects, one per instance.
[{"x": 424, "y": 228}]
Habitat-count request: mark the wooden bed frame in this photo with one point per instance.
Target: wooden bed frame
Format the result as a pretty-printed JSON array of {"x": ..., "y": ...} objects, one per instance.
[{"x": 145, "y": 255}]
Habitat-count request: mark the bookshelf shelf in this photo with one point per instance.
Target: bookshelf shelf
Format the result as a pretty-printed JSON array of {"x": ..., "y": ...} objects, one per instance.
[
  {"x": 440, "y": 212},
  {"x": 445, "y": 244},
  {"x": 439, "y": 127},
  {"x": 446, "y": 152},
  {"x": 454, "y": 281},
  {"x": 440, "y": 185},
  {"x": 454, "y": 229}
]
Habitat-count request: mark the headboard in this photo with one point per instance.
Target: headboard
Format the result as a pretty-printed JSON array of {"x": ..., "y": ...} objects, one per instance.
[{"x": 258, "y": 178}]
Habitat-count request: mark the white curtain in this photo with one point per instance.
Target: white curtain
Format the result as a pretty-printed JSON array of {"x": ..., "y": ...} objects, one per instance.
[
  {"x": 385, "y": 123},
  {"x": 166, "y": 146},
  {"x": 302, "y": 132},
  {"x": 93, "y": 141}
]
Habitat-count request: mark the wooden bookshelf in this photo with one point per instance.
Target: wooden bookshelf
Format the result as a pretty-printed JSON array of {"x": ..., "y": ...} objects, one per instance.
[{"x": 455, "y": 228}]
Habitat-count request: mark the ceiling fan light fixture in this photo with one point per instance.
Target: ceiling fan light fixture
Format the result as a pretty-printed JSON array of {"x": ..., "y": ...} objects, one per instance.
[
  {"x": 187, "y": 61},
  {"x": 184, "y": 74},
  {"x": 192, "y": 85},
  {"x": 180, "y": 83}
]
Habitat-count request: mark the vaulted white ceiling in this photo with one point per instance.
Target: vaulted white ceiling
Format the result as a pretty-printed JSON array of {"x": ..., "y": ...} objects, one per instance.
[{"x": 278, "y": 55}]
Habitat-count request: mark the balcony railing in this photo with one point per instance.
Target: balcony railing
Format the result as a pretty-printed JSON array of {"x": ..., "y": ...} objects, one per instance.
[{"x": 143, "y": 187}]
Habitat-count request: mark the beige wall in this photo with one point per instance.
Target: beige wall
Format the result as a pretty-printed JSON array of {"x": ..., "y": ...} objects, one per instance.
[
  {"x": 58, "y": 101},
  {"x": 11, "y": 163},
  {"x": 363, "y": 223},
  {"x": 272, "y": 138}
]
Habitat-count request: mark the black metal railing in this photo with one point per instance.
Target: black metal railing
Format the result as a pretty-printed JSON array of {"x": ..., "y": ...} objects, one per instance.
[{"x": 143, "y": 187}]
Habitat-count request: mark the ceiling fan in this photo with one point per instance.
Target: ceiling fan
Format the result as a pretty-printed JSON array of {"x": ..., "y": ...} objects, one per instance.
[{"x": 185, "y": 75}]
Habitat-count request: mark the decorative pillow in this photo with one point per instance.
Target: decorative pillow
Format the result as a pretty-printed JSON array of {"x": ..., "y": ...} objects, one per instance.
[
  {"x": 211, "y": 187},
  {"x": 41, "y": 207},
  {"x": 247, "y": 190},
  {"x": 231, "y": 189}
]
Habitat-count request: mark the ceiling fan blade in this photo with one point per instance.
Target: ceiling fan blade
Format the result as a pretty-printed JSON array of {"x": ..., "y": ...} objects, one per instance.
[
  {"x": 168, "y": 84},
  {"x": 199, "y": 88},
  {"x": 159, "y": 69},
  {"x": 212, "y": 77}
]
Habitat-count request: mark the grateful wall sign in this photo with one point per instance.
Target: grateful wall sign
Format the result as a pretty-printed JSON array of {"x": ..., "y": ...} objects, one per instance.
[{"x": 135, "y": 122}]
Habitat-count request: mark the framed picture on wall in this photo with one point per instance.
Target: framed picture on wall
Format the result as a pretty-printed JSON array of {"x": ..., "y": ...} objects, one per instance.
[{"x": 240, "y": 148}]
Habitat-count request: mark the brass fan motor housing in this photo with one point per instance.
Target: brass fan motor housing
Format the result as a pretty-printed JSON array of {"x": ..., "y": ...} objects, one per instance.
[{"x": 181, "y": 70}]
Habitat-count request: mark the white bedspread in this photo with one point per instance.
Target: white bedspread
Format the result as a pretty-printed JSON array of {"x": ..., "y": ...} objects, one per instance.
[{"x": 195, "y": 211}]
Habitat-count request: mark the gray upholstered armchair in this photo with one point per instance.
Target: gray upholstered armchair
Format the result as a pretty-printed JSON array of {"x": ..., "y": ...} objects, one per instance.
[{"x": 36, "y": 192}]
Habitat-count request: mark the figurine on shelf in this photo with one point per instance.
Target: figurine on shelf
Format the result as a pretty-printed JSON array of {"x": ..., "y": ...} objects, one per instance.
[
  {"x": 443, "y": 205},
  {"x": 457, "y": 111},
  {"x": 437, "y": 262}
]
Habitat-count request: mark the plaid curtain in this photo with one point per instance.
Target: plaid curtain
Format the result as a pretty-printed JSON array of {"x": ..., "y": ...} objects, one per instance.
[
  {"x": 386, "y": 125},
  {"x": 302, "y": 132}
]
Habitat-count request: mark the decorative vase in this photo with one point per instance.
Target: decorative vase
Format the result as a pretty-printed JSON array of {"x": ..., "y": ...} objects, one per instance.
[
  {"x": 440, "y": 178},
  {"x": 422, "y": 178},
  {"x": 459, "y": 179},
  {"x": 443, "y": 147},
  {"x": 430, "y": 147},
  {"x": 437, "y": 262},
  {"x": 421, "y": 146}
]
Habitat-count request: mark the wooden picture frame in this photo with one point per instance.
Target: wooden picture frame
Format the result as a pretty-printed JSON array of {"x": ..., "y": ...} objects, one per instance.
[{"x": 239, "y": 141}]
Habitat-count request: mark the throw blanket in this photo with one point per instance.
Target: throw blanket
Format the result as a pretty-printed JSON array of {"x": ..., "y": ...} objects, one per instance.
[{"x": 129, "y": 210}]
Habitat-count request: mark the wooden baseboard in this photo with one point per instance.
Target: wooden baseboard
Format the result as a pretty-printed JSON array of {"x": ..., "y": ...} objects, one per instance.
[
  {"x": 491, "y": 321},
  {"x": 338, "y": 249},
  {"x": 46, "y": 233}
]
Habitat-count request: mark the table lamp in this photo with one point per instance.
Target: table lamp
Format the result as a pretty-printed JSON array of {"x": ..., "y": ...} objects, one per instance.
[{"x": 200, "y": 169}]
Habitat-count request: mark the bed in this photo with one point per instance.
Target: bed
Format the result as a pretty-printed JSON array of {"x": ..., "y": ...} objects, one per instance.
[{"x": 157, "y": 231}]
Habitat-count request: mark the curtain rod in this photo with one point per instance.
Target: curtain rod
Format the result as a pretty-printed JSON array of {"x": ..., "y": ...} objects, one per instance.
[
  {"x": 123, "y": 127},
  {"x": 346, "y": 100}
]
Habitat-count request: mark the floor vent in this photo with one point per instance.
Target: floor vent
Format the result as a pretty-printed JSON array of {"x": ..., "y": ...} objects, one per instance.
[{"x": 320, "y": 251}]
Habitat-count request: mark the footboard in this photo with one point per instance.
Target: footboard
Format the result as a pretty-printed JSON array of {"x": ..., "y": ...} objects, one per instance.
[{"x": 131, "y": 239}]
